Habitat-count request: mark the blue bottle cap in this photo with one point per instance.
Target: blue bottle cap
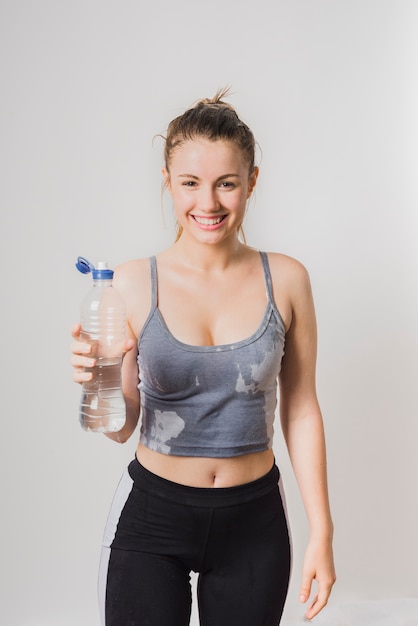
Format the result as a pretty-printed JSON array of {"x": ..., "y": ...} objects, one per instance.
[{"x": 101, "y": 272}]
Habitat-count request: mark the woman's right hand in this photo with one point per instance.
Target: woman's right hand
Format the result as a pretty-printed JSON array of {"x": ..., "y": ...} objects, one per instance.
[{"x": 81, "y": 358}]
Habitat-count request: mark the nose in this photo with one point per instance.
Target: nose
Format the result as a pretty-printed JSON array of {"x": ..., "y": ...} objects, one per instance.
[{"x": 208, "y": 201}]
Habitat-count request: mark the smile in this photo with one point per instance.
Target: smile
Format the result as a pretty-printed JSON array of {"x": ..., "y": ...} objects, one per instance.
[{"x": 206, "y": 221}]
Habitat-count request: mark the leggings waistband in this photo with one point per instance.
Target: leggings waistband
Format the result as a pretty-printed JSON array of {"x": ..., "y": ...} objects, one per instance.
[{"x": 202, "y": 496}]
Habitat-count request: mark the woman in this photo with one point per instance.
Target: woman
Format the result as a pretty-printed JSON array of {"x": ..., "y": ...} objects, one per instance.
[{"x": 213, "y": 325}]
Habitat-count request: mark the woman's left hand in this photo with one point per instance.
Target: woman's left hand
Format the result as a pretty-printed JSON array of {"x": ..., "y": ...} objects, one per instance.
[{"x": 318, "y": 565}]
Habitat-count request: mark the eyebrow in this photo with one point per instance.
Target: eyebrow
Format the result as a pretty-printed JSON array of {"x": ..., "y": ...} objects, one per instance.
[{"x": 197, "y": 178}]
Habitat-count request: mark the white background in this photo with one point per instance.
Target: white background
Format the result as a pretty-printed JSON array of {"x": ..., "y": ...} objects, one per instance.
[{"x": 330, "y": 89}]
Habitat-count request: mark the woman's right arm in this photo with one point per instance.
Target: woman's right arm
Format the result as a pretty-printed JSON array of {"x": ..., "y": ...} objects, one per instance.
[{"x": 82, "y": 361}]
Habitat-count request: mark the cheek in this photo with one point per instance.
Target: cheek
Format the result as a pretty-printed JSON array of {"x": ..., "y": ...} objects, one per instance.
[
  {"x": 245, "y": 195},
  {"x": 181, "y": 201}
]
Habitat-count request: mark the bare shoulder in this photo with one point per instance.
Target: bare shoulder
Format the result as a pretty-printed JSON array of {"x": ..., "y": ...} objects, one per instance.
[
  {"x": 128, "y": 272},
  {"x": 288, "y": 274},
  {"x": 133, "y": 281},
  {"x": 291, "y": 287}
]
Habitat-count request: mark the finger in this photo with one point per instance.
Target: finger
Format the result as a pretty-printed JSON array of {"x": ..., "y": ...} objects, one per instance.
[
  {"x": 80, "y": 347},
  {"x": 319, "y": 602},
  {"x": 75, "y": 330},
  {"x": 313, "y": 609},
  {"x": 79, "y": 361},
  {"x": 305, "y": 589},
  {"x": 82, "y": 376},
  {"x": 81, "y": 369}
]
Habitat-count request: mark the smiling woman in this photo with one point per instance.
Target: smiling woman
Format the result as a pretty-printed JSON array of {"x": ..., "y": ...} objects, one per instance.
[{"x": 207, "y": 324}]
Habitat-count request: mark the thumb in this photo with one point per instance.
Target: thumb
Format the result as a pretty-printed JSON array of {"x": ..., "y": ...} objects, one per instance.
[{"x": 129, "y": 344}]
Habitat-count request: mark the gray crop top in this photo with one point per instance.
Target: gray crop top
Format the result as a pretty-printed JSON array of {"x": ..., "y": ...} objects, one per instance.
[{"x": 209, "y": 401}]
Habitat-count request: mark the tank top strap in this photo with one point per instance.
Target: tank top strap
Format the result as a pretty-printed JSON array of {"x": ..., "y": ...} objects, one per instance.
[
  {"x": 154, "y": 283},
  {"x": 267, "y": 275}
]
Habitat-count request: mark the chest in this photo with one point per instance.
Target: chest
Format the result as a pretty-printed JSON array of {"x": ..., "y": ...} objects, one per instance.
[{"x": 213, "y": 311}]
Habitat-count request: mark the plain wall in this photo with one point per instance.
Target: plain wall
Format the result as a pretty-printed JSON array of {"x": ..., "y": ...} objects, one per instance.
[{"x": 330, "y": 89}]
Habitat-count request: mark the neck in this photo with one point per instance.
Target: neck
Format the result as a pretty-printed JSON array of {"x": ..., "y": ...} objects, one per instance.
[{"x": 208, "y": 257}]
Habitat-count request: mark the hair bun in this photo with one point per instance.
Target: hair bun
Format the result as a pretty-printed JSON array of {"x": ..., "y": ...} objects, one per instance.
[{"x": 217, "y": 99}]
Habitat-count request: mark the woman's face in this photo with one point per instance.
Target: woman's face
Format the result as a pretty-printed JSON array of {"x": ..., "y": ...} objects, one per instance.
[{"x": 210, "y": 185}]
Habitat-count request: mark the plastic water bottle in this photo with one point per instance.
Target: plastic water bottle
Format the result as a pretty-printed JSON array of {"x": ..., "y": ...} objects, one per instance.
[{"x": 103, "y": 314}]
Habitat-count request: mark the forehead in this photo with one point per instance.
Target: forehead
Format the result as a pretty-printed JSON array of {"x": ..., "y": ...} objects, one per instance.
[{"x": 204, "y": 154}]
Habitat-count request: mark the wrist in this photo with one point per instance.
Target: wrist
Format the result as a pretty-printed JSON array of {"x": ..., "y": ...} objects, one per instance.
[{"x": 322, "y": 532}]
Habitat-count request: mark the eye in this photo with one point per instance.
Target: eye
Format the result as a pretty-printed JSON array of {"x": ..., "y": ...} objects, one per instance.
[
  {"x": 189, "y": 183},
  {"x": 227, "y": 184}
]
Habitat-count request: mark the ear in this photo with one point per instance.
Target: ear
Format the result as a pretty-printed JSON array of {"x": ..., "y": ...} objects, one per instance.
[
  {"x": 252, "y": 180},
  {"x": 166, "y": 177}
]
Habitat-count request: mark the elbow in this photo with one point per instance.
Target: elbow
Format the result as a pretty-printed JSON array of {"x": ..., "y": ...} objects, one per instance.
[
  {"x": 118, "y": 436},
  {"x": 132, "y": 417},
  {"x": 121, "y": 436}
]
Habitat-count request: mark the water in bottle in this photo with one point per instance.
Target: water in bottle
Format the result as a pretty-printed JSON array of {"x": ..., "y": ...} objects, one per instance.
[{"x": 103, "y": 315}]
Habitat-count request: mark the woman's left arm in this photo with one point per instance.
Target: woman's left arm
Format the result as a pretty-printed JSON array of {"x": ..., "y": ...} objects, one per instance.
[{"x": 303, "y": 430}]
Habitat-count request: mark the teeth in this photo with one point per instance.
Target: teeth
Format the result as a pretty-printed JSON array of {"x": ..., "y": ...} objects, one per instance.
[{"x": 207, "y": 221}]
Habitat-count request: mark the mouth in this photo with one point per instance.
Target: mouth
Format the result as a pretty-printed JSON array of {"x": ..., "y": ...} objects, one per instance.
[{"x": 209, "y": 221}]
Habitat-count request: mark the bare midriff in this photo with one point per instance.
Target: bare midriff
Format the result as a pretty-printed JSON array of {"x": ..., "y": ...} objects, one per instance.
[{"x": 204, "y": 471}]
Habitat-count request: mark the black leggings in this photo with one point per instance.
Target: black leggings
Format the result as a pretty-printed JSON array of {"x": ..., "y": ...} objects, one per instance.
[{"x": 158, "y": 531}]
